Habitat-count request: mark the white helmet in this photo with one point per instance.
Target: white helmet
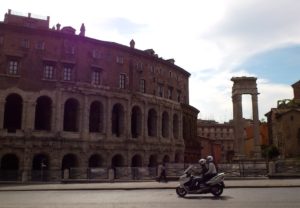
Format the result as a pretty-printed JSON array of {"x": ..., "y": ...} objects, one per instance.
[
  {"x": 202, "y": 161},
  {"x": 210, "y": 158}
]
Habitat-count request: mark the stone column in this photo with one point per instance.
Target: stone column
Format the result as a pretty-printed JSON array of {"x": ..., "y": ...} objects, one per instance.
[
  {"x": 59, "y": 113},
  {"x": 84, "y": 121},
  {"x": 257, "y": 149},
  {"x": 108, "y": 118},
  {"x": 238, "y": 126}
]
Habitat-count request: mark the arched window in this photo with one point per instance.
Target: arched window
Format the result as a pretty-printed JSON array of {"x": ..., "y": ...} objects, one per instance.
[
  {"x": 175, "y": 126},
  {"x": 43, "y": 113},
  {"x": 117, "y": 120},
  {"x": 136, "y": 122},
  {"x": 152, "y": 123},
  {"x": 13, "y": 113},
  {"x": 40, "y": 165},
  {"x": 165, "y": 125},
  {"x": 71, "y": 115},
  {"x": 96, "y": 117}
]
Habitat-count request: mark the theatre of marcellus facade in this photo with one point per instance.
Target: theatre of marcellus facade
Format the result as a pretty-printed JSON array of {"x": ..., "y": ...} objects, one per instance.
[{"x": 70, "y": 101}]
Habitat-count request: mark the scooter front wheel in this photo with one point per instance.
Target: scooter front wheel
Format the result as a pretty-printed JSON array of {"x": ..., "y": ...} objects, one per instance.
[{"x": 181, "y": 191}]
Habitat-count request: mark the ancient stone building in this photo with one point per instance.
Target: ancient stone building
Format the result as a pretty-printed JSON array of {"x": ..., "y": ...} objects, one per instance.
[
  {"x": 284, "y": 125},
  {"x": 70, "y": 101}
]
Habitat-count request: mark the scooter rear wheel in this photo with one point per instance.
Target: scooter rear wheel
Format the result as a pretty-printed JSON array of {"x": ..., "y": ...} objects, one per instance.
[
  {"x": 181, "y": 191},
  {"x": 217, "y": 190}
]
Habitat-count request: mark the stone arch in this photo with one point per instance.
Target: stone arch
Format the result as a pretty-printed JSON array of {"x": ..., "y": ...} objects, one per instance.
[
  {"x": 137, "y": 161},
  {"x": 175, "y": 126},
  {"x": 152, "y": 161},
  {"x": 9, "y": 167},
  {"x": 117, "y": 161},
  {"x": 178, "y": 157},
  {"x": 136, "y": 122},
  {"x": 13, "y": 112},
  {"x": 152, "y": 123},
  {"x": 117, "y": 119},
  {"x": 166, "y": 159},
  {"x": 96, "y": 117},
  {"x": 95, "y": 160},
  {"x": 165, "y": 125},
  {"x": 40, "y": 165},
  {"x": 43, "y": 113},
  {"x": 71, "y": 115}
]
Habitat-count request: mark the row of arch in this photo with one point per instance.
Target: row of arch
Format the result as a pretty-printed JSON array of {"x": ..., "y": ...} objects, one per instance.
[
  {"x": 10, "y": 163},
  {"x": 43, "y": 118}
]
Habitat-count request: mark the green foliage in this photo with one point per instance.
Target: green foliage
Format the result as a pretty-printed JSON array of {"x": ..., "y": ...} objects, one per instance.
[{"x": 270, "y": 151}]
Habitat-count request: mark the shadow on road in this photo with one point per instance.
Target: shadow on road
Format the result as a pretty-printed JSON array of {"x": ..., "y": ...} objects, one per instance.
[{"x": 209, "y": 197}]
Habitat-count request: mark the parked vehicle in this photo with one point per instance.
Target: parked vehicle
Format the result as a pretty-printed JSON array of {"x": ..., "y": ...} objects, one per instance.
[{"x": 190, "y": 184}]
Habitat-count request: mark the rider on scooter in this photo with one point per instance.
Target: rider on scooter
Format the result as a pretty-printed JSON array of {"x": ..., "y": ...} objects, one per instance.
[{"x": 212, "y": 170}]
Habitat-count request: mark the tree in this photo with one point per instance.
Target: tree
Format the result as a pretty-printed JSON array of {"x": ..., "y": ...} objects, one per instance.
[{"x": 270, "y": 151}]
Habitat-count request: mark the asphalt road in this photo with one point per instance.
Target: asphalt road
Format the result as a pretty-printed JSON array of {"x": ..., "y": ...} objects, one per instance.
[{"x": 164, "y": 198}]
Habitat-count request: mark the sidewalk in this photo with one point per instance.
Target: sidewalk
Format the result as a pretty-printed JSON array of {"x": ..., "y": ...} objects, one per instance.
[{"x": 251, "y": 183}]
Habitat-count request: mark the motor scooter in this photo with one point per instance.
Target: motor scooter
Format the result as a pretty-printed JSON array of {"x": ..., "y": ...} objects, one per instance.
[{"x": 190, "y": 184}]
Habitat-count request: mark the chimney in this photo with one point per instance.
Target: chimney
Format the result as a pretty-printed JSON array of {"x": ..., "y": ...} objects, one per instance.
[
  {"x": 132, "y": 43},
  {"x": 57, "y": 26}
]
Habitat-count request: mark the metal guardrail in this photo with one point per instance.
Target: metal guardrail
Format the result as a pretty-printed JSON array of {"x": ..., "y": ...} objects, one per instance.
[{"x": 173, "y": 170}]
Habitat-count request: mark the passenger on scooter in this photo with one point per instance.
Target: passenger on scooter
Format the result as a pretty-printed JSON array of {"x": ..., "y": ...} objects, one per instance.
[
  {"x": 198, "y": 180},
  {"x": 212, "y": 170}
]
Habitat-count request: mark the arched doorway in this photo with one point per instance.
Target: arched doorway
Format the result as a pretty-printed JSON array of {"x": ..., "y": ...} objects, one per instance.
[
  {"x": 9, "y": 168},
  {"x": 117, "y": 163},
  {"x": 166, "y": 159},
  {"x": 69, "y": 164},
  {"x": 13, "y": 113},
  {"x": 40, "y": 167},
  {"x": 136, "y": 162},
  {"x": 153, "y": 165}
]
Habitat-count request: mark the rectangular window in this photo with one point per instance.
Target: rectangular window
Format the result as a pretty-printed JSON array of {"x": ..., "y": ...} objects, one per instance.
[
  {"x": 170, "y": 93},
  {"x": 96, "y": 54},
  {"x": 96, "y": 77},
  {"x": 67, "y": 73},
  {"x": 25, "y": 43},
  {"x": 1, "y": 40},
  {"x": 13, "y": 67},
  {"x": 70, "y": 50},
  {"x": 40, "y": 45},
  {"x": 142, "y": 86},
  {"x": 160, "y": 90},
  {"x": 122, "y": 81},
  {"x": 49, "y": 71},
  {"x": 120, "y": 59},
  {"x": 178, "y": 95}
]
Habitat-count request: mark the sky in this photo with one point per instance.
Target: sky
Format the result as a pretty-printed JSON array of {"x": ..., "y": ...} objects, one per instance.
[{"x": 214, "y": 40}]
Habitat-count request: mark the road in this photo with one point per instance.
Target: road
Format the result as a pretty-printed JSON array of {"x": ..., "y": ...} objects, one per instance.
[{"x": 164, "y": 198}]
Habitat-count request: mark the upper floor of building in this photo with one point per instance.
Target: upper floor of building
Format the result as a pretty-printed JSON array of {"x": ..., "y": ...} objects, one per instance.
[{"x": 34, "y": 56}]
